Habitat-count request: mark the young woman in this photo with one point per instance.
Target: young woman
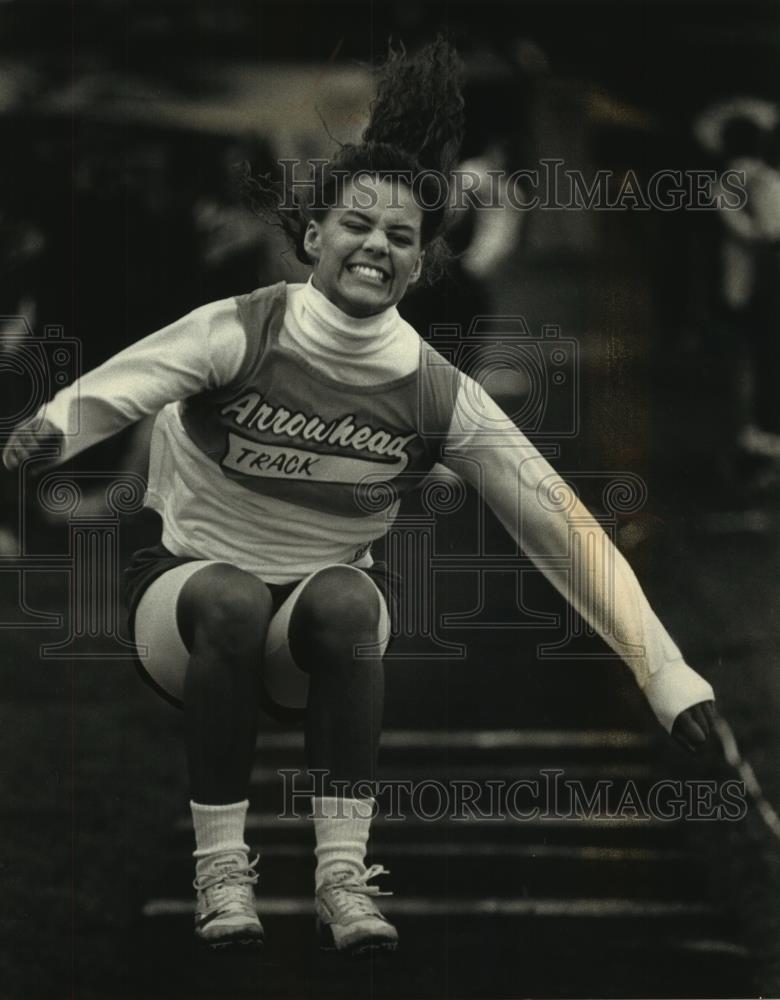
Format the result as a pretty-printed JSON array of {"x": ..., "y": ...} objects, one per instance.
[{"x": 279, "y": 413}]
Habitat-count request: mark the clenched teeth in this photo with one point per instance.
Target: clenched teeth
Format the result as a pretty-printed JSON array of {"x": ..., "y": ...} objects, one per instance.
[{"x": 368, "y": 272}]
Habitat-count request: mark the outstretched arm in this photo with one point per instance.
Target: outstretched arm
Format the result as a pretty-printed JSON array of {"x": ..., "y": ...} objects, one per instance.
[
  {"x": 202, "y": 350},
  {"x": 544, "y": 516}
]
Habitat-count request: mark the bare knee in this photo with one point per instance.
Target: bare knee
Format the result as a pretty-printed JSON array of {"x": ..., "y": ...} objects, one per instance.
[
  {"x": 225, "y": 609},
  {"x": 337, "y": 611}
]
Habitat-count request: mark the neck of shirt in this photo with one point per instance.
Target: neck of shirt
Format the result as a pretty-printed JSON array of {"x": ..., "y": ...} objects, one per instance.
[{"x": 366, "y": 350}]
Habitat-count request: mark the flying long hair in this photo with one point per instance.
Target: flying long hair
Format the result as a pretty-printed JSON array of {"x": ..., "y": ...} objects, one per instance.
[{"x": 415, "y": 131}]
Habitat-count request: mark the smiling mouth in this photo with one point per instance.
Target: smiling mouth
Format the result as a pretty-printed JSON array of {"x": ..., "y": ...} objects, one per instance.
[{"x": 370, "y": 273}]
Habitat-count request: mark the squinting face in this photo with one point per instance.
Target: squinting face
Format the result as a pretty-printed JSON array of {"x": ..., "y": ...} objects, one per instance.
[{"x": 367, "y": 251}]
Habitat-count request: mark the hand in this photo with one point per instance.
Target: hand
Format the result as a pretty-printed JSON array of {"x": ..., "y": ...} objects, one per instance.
[
  {"x": 28, "y": 439},
  {"x": 692, "y": 727}
]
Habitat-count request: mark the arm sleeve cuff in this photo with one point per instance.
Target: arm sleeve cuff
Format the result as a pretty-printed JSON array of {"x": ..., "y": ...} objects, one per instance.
[{"x": 674, "y": 688}]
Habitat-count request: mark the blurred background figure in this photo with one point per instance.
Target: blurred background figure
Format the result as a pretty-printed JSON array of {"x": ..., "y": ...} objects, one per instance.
[
  {"x": 234, "y": 251},
  {"x": 743, "y": 135},
  {"x": 486, "y": 226}
]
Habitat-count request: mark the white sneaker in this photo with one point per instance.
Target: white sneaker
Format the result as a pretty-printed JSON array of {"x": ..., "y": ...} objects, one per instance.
[
  {"x": 347, "y": 917},
  {"x": 225, "y": 913}
]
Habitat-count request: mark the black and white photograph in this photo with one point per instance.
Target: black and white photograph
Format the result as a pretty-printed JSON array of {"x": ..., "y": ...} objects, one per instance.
[{"x": 389, "y": 499}]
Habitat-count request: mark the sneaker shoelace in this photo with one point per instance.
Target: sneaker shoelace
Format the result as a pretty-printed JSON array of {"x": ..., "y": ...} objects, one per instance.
[
  {"x": 225, "y": 890},
  {"x": 353, "y": 896}
]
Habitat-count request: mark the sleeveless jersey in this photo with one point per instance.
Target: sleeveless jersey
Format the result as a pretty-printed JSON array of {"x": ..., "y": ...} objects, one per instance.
[{"x": 285, "y": 430}]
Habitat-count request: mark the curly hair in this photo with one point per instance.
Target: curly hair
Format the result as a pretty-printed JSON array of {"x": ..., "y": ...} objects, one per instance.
[{"x": 414, "y": 132}]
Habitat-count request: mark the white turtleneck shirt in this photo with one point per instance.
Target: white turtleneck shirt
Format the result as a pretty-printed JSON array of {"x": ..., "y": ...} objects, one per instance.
[{"x": 208, "y": 516}]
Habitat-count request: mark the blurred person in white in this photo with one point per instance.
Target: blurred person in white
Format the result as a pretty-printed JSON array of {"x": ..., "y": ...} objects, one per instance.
[
  {"x": 291, "y": 422},
  {"x": 750, "y": 281}
]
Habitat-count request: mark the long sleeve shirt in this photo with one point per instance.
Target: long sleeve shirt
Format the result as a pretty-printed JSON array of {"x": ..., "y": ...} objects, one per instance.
[{"x": 209, "y": 515}]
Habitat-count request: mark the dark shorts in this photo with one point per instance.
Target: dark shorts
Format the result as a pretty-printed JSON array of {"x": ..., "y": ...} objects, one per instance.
[{"x": 148, "y": 564}]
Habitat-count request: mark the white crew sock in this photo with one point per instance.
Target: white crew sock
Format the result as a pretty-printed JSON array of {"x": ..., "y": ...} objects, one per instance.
[
  {"x": 219, "y": 828},
  {"x": 341, "y": 829}
]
